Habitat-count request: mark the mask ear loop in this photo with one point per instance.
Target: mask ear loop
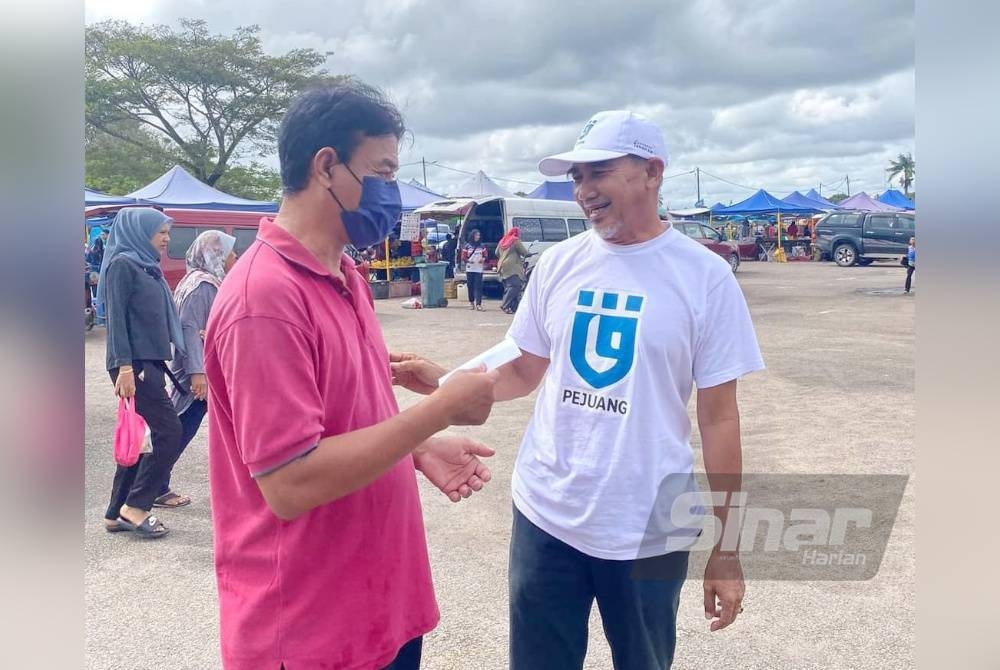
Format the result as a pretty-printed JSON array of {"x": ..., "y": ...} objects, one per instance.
[{"x": 330, "y": 190}]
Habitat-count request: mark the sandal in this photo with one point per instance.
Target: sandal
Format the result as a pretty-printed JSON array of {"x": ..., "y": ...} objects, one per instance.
[
  {"x": 151, "y": 527},
  {"x": 115, "y": 526},
  {"x": 171, "y": 500}
]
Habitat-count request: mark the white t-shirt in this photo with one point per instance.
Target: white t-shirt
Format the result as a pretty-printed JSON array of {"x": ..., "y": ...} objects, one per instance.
[
  {"x": 628, "y": 330},
  {"x": 476, "y": 257}
]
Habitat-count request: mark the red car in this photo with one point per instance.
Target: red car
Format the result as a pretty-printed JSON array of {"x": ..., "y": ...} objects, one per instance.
[{"x": 713, "y": 240}]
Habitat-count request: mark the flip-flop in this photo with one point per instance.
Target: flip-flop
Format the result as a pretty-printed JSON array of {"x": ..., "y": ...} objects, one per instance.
[
  {"x": 115, "y": 527},
  {"x": 151, "y": 527},
  {"x": 163, "y": 501}
]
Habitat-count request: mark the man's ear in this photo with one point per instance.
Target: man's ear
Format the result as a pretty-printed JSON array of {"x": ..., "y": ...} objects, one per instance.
[
  {"x": 655, "y": 168},
  {"x": 323, "y": 163}
]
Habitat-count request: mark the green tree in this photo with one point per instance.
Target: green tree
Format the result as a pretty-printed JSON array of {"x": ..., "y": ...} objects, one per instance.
[
  {"x": 254, "y": 181},
  {"x": 903, "y": 167},
  {"x": 117, "y": 166},
  {"x": 837, "y": 198},
  {"x": 212, "y": 99}
]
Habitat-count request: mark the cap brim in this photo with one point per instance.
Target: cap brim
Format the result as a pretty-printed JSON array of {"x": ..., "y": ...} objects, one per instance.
[{"x": 560, "y": 164}]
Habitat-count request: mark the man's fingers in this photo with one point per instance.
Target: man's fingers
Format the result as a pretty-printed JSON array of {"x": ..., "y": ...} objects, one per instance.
[
  {"x": 475, "y": 483},
  {"x": 483, "y": 472},
  {"x": 727, "y": 616},
  {"x": 710, "y": 608},
  {"x": 478, "y": 449},
  {"x": 453, "y": 496}
]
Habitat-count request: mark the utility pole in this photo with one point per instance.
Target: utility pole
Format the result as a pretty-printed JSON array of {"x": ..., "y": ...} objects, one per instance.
[
  {"x": 848, "y": 186},
  {"x": 697, "y": 175},
  {"x": 424, "y": 163}
]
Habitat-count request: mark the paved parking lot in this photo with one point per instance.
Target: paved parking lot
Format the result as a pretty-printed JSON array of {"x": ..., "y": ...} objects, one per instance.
[{"x": 837, "y": 398}]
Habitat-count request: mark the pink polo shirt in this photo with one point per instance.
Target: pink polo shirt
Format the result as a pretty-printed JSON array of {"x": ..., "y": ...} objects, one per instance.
[{"x": 293, "y": 356}]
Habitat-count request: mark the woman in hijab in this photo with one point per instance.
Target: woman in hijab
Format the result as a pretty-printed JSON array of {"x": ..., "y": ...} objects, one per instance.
[
  {"x": 511, "y": 253},
  {"x": 208, "y": 260},
  {"x": 142, "y": 324}
]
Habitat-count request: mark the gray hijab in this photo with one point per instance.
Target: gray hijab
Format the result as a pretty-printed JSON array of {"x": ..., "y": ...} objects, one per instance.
[{"x": 131, "y": 235}]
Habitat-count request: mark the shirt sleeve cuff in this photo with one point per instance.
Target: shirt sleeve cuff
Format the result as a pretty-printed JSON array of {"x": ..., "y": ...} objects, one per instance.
[
  {"x": 708, "y": 381},
  {"x": 266, "y": 466}
]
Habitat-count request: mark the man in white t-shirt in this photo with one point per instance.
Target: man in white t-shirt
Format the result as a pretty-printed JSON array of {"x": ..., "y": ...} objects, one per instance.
[{"x": 617, "y": 325}]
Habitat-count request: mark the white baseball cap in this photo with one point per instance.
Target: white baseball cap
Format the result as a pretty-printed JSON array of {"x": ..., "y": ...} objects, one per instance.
[{"x": 608, "y": 135}]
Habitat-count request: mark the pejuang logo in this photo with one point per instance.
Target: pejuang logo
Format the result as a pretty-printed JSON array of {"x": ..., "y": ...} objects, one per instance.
[
  {"x": 602, "y": 347},
  {"x": 585, "y": 132}
]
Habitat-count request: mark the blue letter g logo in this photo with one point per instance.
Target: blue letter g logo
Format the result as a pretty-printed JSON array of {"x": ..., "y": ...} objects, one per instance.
[{"x": 602, "y": 349}]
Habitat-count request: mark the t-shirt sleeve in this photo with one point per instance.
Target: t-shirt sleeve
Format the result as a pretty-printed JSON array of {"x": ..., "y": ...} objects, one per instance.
[
  {"x": 727, "y": 345},
  {"x": 277, "y": 409},
  {"x": 528, "y": 328}
]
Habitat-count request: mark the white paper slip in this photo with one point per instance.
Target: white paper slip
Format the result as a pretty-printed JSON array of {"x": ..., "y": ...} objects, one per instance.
[{"x": 494, "y": 357}]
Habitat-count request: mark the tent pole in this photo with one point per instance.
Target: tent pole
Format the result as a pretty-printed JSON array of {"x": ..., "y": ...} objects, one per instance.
[{"x": 388, "y": 272}]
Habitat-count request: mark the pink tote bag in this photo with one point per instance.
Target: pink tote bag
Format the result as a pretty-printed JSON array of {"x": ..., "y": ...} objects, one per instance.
[{"x": 130, "y": 432}]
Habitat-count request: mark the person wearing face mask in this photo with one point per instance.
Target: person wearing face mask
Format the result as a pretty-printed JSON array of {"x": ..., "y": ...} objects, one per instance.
[
  {"x": 320, "y": 555},
  {"x": 208, "y": 259}
]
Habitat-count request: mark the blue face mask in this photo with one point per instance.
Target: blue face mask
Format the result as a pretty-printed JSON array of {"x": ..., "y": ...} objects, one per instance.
[{"x": 377, "y": 212}]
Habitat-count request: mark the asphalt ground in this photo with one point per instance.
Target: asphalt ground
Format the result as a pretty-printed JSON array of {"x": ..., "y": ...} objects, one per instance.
[{"x": 837, "y": 398}]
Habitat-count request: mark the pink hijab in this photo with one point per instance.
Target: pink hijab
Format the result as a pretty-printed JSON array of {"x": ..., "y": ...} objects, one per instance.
[{"x": 512, "y": 236}]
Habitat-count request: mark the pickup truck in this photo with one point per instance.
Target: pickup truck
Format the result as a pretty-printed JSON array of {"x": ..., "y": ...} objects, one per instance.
[{"x": 858, "y": 238}]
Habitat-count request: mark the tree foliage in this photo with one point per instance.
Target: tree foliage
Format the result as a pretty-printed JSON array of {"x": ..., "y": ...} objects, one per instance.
[
  {"x": 837, "y": 198},
  {"x": 206, "y": 99},
  {"x": 118, "y": 166},
  {"x": 904, "y": 167}
]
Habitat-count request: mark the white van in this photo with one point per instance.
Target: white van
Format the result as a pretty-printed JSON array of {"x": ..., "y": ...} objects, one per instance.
[{"x": 543, "y": 223}]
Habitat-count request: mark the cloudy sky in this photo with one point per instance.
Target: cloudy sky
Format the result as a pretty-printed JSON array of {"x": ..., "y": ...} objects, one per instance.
[{"x": 776, "y": 94}]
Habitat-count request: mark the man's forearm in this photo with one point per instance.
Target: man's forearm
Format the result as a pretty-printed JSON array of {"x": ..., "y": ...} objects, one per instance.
[
  {"x": 342, "y": 464},
  {"x": 723, "y": 455},
  {"x": 520, "y": 377}
]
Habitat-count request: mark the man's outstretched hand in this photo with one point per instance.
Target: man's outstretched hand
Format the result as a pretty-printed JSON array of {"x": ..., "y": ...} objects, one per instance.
[
  {"x": 452, "y": 464},
  {"x": 415, "y": 373}
]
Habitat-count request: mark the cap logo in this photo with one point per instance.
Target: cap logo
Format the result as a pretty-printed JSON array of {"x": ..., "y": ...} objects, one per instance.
[
  {"x": 645, "y": 147},
  {"x": 586, "y": 131}
]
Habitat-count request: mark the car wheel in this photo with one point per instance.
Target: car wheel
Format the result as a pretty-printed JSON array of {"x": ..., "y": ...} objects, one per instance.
[
  {"x": 865, "y": 261},
  {"x": 734, "y": 261},
  {"x": 845, "y": 255}
]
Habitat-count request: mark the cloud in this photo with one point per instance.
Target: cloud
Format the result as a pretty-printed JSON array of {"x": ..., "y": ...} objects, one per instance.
[{"x": 778, "y": 93}]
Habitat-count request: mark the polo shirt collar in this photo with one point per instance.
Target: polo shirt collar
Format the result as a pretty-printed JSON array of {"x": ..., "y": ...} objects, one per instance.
[{"x": 293, "y": 251}]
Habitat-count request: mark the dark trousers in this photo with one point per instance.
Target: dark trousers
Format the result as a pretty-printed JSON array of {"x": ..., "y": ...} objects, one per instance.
[
  {"x": 408, "y": 657},
  {"x": 909, "y": 277},
  {"x": 553, "y": 587},
  {"x": 512, "y": 287},
  {"x": 138, "y": 485},
  {"x": 475, "y": 281},
  {"x": 190, "y": 423}
]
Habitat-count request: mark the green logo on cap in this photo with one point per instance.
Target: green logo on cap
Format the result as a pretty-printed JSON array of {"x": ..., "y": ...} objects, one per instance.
[{"x": 585, "y": 131}]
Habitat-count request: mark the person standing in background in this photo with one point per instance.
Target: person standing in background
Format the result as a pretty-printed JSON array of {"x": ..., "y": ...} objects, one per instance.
[
  {"x": 142, "y": 325},
  {"x": 511, "y": 254},
  {"x": 911, "y": 263},
  {"x": 475, "y": 254},
  {"x": 209, "y": 258}
]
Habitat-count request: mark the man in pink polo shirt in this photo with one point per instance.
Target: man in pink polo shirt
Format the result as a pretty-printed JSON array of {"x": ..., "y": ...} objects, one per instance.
[{"x": 320, "y": 554}]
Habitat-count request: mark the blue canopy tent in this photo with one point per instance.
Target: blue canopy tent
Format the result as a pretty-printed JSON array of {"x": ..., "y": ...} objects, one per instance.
[
  {"x": 896, "y": 199},
  {"x": 177, "y": 188},
  {"x": 796, "y": 198},
  {"x": 92, "y": 198},
  {"x": 716, "y": 207},
  {"x": 763, "y": 202},
  {"x": 813, "y": 195},
  {"x": 554, "y": 190},
  {"x": 414, "y": 196}
]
